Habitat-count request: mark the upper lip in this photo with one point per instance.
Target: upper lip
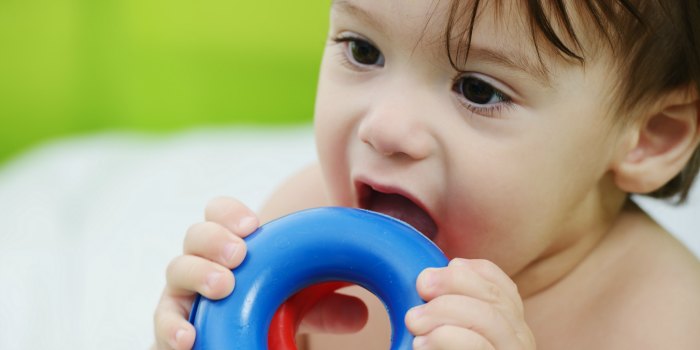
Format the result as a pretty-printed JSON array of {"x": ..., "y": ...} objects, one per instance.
[{"x": 364, "y": 187}]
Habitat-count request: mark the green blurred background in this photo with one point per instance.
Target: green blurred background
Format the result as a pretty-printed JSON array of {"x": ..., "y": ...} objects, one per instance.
[{"x": 70, "y": 67}]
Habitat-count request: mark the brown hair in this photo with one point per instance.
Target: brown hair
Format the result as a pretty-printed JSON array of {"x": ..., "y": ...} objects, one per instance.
[{"x": 655, "y": 43}]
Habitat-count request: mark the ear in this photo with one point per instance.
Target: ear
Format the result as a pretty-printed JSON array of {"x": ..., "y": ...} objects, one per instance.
[{"x": 660, "y": 146}]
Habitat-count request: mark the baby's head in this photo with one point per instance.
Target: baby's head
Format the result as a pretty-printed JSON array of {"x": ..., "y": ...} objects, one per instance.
[
  {"x": 508, "y": 130},
  {"x": 651, "y": 47}
]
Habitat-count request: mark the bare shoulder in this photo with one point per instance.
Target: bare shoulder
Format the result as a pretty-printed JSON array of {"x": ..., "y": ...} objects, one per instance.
[
  {"x": 303, "y": 190},
  {"x": 650, "y": 298}
]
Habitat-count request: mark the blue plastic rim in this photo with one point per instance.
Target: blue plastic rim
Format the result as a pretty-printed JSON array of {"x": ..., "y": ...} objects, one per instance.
[{"x": 375, "y": 251}]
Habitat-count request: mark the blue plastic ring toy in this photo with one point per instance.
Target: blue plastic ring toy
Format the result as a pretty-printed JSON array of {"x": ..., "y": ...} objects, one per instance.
[{"x": 375, "y": 251}]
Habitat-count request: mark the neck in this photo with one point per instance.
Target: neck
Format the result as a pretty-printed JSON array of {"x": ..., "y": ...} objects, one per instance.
[{"x": 562, "y": 258}]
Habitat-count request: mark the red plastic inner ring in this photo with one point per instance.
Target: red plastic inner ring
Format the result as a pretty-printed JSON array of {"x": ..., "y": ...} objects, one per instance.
[{"x": 286, "y": 321}]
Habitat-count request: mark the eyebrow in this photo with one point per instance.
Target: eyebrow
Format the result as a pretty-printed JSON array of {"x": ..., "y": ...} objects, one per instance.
[
  {"x": 508, "y": 60},
  {"x": 512, "y": 61},
  {"x": 356, "y": 11}
]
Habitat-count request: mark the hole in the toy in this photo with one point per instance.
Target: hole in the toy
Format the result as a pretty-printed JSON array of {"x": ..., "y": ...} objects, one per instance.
[{"x": 375, "y": 335}]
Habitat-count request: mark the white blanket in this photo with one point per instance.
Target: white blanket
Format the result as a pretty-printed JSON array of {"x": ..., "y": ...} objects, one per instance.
[{"x": 88, "y": 225}]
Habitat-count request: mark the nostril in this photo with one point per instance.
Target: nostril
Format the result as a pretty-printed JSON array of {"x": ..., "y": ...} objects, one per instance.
[
  {"x": 391, "y": 140},
  {"x": 363, "y": 133},
  {"x": 396, "y": 132},
  {"x": 375, "y": 138}
]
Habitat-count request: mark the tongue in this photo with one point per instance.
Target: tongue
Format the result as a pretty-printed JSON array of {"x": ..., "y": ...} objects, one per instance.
[{"x": 404, "y": 209}]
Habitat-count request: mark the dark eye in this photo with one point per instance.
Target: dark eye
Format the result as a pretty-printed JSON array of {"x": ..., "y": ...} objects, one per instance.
[
  {"x": 365, "y": 53},
  {"x": 478, "y": 91}
]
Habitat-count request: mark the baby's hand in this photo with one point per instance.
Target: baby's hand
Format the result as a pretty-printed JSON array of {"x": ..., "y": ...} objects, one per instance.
[
  {"x": 471, "y": 304},
  {"x": 211, "y": 249}
]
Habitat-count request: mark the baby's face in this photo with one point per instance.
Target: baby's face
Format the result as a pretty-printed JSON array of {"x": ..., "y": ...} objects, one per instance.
[{"x": 503, "y": 161}]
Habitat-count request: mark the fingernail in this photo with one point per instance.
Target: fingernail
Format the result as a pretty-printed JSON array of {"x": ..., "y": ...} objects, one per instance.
[
  {"x": 178, "y": 335},
  {"x": 429, "y": 280},
  {"x": 247, "y": 224},
  {"x": 416, "y": 312},
  {"x": 212, "y": 279},
  {"x": 419, "y": 342},
  {"x": 229, "y": 252}
]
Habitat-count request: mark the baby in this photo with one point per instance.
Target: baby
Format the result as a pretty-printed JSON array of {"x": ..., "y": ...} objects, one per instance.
[{"x": 512, "y": 134}]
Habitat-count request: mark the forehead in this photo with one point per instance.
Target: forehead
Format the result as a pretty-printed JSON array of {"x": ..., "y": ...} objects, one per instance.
[
  {"x": 501, "y": 32},
  {"x": 408, "y": 14},
  {"x": 393, "y": 18}
]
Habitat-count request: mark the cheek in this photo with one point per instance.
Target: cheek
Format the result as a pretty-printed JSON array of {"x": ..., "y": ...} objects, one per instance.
[
  {"x": 511, "y": 202},
  {"x": 333, "y": 134},
  {"x": 508, "y": 217},
  {"x": 327, "y": 117}
]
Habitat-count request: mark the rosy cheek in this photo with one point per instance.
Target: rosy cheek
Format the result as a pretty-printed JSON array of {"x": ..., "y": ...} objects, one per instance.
[{"x": 474, "y": 231}]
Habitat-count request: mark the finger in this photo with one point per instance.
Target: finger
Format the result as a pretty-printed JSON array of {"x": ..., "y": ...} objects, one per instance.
[
  {"x": 172, "y": 329},
  {"x": 491, "y": 272},
  {"x": 336, "y": 313},
  {"x": 464, "y": 312},
  {"x": 461, "y": 278},
  {"x": 233, "y": 215},
  {"x": 449, "y": 337},
  {"x": 214, "y": 242},
  {"x": 434, "y": 282},
  {"x": 189, "y": 274},
  {"x": 482, "y": 280}
]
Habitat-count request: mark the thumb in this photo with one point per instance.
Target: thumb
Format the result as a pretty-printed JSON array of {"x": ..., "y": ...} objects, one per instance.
[{"x": 335, "y": 313}]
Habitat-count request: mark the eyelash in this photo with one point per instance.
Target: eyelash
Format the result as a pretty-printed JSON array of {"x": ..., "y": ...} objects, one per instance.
[
  {"x": 345, "y": 40},
  {"x": 490, "y": 111}
]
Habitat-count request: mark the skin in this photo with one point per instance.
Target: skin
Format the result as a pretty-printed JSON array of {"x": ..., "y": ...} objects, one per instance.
[{"x": 529, "y": 195}]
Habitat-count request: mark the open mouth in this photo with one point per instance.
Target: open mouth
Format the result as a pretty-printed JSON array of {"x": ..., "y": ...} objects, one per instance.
[{"x": 398, "y": 206}]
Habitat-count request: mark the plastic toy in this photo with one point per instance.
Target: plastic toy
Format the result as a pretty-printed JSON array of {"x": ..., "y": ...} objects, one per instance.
[{"x": 375, "y": 251}]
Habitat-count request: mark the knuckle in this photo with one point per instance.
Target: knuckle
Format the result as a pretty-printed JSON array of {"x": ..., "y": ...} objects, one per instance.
[
  {"x": 459, "y": 262},
  {"x": 172, "y": 268},
  {"x": 492, "y": 311},
  {"x": 207, "y": 230},
  {"x": 220, "y": 207},
  {"x": 486, "y": 267},
  {"x": 220, "y": 203},
  {"x": 442, "y": 332},
  {"x": 458, "y": 279},
  {"x": 212, "y": 227},
  {"x": 494, "y": 294},
  {"x": 444, "y": 302}
]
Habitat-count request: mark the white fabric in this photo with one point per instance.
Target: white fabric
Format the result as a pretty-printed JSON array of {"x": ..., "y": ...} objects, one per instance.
[{"x": 88, "y": 225}]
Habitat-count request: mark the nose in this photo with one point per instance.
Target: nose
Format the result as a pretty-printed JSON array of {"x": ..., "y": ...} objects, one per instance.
[{"x": 393, "y": 129}]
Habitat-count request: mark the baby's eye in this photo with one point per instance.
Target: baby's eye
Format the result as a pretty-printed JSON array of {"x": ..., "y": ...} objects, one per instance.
[
  {"x": 481, "y": 97},
  {"x": 478, "y": 91},
  {"x": 365, "y": 53},
  {"x": 361, "y": 52}
]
